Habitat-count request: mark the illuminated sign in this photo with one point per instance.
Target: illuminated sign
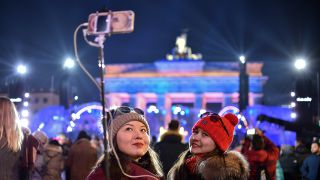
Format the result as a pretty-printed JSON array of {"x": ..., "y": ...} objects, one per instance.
[
  {"x": 15, "y": 100},
  {"x": 304, "y": 99}
]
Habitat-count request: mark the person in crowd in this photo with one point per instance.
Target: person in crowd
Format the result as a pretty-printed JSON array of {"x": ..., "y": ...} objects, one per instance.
[
  {"x": 53, "y": 161},
  {"x": 39, "y": 162},
  {"x": 28, "y": 154},
  {"x": 262, "y": 156},
  {"x": 208, "y": 156},
  {"x": 131, "y": 154},
  {"x": 301, "y": 152},
  {"x": 170, "y": 146},
  {"x": 98, "y": 145},
  {"x": 153, "y": 141},
  {"x": 66, "y": 145},
  {"x": 82, "y": 157},
  {"x": 279, "y": 171},
  {"x": 310, "y": 168},
  {"x": 289, "y": 162},
  {"x": 11, "y": 137}
]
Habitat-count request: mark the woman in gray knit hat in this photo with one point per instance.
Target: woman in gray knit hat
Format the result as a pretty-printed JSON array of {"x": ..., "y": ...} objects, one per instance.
[{"x": 130, "y": 155}]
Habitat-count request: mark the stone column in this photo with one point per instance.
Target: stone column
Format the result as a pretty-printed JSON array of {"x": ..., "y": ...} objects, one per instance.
[
  {"x": 227, "y": 100},
  {"x": 160, "y": 101},
  {"x": 198, "y": 101},
  {"x": 132, "y": 100},
  {"x": 167, "y": 107}
]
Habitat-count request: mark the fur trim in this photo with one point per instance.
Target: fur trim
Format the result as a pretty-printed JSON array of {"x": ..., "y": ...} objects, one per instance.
[
  {"x": 169, "y": 133},
  {"x": 53, "y": 148},
  {"x": 232, "y": 165}
]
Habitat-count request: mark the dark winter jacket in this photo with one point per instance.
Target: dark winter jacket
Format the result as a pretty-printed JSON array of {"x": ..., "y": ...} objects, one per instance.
[
  {"x": 230, "y": 166},
  {"x": 169, "y": 149},
  {"x": 82, "y": 157},
  {"x": 289, "y": 164},
  {"x": 135, "y": 170},
  {"x": 310, "y": 168},
  {"x": 9, "y": 161},
  {"x": 27, "y": 157}
]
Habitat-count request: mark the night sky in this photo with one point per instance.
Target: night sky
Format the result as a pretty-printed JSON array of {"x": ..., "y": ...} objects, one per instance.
[{"x": 40, "y": 34}]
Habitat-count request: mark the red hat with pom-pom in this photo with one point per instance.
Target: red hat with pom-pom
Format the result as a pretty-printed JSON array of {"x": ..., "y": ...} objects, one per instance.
[{"x": 219, "y": 128}]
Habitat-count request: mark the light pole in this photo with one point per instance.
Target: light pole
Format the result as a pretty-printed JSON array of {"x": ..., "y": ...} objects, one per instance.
[
  {"x": 65, "y": 91},
  {"x": 16, "y": 83},
  {"x": 318, "y": 99},
  {"x": 307, "y": 91},
  {"x": 243, "y": 84}
]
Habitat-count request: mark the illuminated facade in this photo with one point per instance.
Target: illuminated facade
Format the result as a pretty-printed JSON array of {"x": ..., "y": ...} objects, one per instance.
[
  {"x": 177, "y": 89},
  {"x": 194, "y": 83}
]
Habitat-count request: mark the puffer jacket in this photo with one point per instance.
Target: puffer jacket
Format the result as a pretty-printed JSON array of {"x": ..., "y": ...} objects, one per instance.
[{"x": 54, "y": 162}]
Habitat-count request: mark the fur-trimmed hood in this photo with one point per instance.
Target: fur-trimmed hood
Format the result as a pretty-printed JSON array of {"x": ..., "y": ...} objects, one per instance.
[
  {"x": 171, "y": 136},
  {"x": 232, "y": 165}
]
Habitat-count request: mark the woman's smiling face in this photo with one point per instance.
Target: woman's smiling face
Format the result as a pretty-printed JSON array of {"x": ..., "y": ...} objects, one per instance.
[
  {"x": 133, "y": 139},
  {"x": 200, "y": 142}
]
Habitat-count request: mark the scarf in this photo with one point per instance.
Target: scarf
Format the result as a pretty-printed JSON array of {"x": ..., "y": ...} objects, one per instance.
[{"x": 192, "y": 162}]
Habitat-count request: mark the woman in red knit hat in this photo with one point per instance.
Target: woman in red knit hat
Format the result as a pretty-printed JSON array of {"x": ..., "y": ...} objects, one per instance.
[{"x": 208, "y": 156}]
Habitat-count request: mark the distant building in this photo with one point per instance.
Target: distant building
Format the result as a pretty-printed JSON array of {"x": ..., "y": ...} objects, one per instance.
[
  {"x": 181, "y": 80},
  {"x": 39, "y": 100},
  {"x": 194, "y": 83}
]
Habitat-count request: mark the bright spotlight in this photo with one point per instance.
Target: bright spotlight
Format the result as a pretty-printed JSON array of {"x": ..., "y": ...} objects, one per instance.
[
  {"x": 293, "y": 115},
  {"x": 21, "y": 69},
  {"x": 300, "y": 64},
  {"x": 25, "y": 113},
  {"x": 69, "y": 63},
  {"x": 292, "y": 94},
  {"x": 26, "y": 104},
  {"x": 242, "y": 59},
  {"x": 26, "y": 95},
  {"x": 24, "y": 122}
]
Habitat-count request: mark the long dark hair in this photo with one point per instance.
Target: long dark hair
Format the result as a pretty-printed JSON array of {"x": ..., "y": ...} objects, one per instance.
[
  {"x": 257, "y": 142},
  {"x": 149, "y": 161}
]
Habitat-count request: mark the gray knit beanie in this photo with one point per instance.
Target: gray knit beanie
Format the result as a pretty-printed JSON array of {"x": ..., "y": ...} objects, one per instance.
[
  {"x": 41, "y": 137},
  {"x": 122, "y": 119}
]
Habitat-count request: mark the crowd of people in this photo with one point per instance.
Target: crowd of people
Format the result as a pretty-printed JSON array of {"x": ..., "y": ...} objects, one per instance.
[{"x": 131, "y": 155}]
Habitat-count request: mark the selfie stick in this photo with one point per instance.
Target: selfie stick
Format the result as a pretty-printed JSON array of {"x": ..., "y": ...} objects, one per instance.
[
  {"x": 101, "y": 39},
  {"x": 102, "y": 24}
]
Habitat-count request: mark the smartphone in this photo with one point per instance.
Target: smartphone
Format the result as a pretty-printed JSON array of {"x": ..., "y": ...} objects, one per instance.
[
  {"x": 251, "y": 131},
  {"x": 110, "y": 22}
]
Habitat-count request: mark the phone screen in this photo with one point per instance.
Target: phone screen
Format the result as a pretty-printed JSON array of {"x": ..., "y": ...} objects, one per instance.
[
  {"x": 115, "y": 22},
  {"x": 101, "y": 24}
]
